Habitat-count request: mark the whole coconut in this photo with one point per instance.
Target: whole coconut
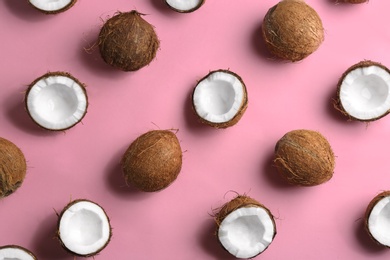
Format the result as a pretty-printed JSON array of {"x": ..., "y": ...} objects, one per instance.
[
  {"x": 12, "y": 167},
  {"x": 292, "y": 30},
  {"x": 304, "y": 157},
  {"x": 153, "y": 161},
  {"x": 127, "y": 41}
]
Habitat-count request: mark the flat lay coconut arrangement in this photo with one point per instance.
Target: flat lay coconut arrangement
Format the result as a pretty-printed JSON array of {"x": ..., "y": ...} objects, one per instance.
[{"x": 147, "y": 143}]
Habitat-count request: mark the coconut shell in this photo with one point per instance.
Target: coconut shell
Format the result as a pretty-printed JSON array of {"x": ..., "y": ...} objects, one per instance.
[
  {"x": 128, "y": 42},
  {"x": 56, "y": 11},
  {"x": 13, "y": 167},
  {"x": 337, "y": 102},
  {"x": 292, "y": 30},
  {"x": 240, "y": 201},
  {"x": 185, "y": 11},
  {"x": 370, "y": 206},
  {"x": 304, "y": 157},
  {"x": 58, "y": 228},
  {"x": 21, "y": 248},
  {"x": 241, "y": 111},
  {"x": 152, "y": 161},
  {"x": 51, "y": 74}
]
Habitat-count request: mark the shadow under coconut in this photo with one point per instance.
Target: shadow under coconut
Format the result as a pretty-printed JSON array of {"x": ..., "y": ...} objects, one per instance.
[
  {"x": 25, "y": 11},
  {"x": 209, "y": 241},
  {"x": 45, "y": 243},
  {"x": 116, "y": 181},
  {"x": 15, "y": 110},
  {"x": 364, "y": 239},
  {"x": 161, "y": 6}
]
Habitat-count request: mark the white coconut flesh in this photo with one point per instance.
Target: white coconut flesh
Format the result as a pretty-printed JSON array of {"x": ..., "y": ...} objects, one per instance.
[
  {"x": 14, "y": 253},
  {"x": 84, "y": 228},
  {"x": 379, "y": 221},
  {"x": 50, "y": 5},
  {"x": 219, "y": 97},
  {"x": 184, "y": 5},
  {"x": 246, "y": 232},
  {"x": 57, "y": 102},
  {"x": 365, "y": 92}
]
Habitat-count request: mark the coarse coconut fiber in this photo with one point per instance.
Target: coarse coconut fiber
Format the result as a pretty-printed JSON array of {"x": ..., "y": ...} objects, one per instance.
[
  {"x": 127, "y": 41},
  {"x": 363, "y": 91},
  {"x": 304, "y": 157},
  {"x": 152, "y": 161},
  {"x": 377, "y": 219},
  {"x": 292, "y": 30},
  {"x": 13, "y": 167},
  {"x": 245, "y": 227}
]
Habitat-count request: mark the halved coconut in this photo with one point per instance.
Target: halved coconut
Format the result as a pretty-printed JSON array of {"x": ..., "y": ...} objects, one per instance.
[
  {"x": 245, "y": 228},
  {"x": 52, "y": 6},
  {"x": 56, "y": 101},
  {"x": 364, "y": 91},
  {"x": 377, "y": 218},
  {"x": 184, "y": 6},
  {"x": 14, "y": 252},
  {"x": 84, "y": 228},
  {"x": 220, "y": 98}
]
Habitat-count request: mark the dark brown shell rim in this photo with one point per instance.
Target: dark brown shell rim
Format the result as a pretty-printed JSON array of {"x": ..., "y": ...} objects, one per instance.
[
  {"x": 21, "y": 248},
  {"x": 65, "y": 8}
]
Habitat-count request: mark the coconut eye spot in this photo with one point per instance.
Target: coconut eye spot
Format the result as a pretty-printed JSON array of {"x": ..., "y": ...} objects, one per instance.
[
  {"x": 379, "y": 221},
  {"x": 365, "y": 92}
]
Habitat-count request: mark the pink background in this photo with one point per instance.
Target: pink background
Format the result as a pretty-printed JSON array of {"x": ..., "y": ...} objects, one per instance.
[{"x": 322, "y": 222}]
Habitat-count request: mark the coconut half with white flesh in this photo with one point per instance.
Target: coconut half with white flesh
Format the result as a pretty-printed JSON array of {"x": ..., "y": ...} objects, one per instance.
[
  {"x": 84, "y": 228},
  {"x": 377, "y": 218},
  {"x": 14, "y": 252},
  {"x": 52, "y": 6},
  {"x": 220, "y": 98},
  {"x": 56, "y": 101},
  {"x": 245, "y": 228},
  {"x": 364, "y": 91},
  {"x": 184, "y": 6}
]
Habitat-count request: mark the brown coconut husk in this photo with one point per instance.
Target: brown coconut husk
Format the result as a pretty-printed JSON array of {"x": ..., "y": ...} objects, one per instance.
[
  {"x": 65, "y": 8},
  {"x": 128, "y": 42},
  {"x": 240, "y": 201},
  {"x": 370, "y": 206},
  {"x": 58, "y": 228},
  {"x": 241, "y": 111},
  {"x": 292, "y": 30},
  {"x": 337, "y": 102},
  {"x": 51, "y": 74},
  {"x": 152, "y": 161},
  {"x": 21, "y": 248},
  {"x": 304, "y": 157},
  {"x": 186, "y": 11},
  {"x": 13, "y": 167}
]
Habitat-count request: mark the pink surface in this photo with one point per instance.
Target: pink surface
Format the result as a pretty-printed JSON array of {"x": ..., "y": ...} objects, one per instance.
[{"x": 322, "y": 222}]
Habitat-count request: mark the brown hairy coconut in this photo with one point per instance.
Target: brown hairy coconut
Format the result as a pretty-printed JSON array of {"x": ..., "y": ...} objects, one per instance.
[
  {"x": 153, "y": 161},
  {"x": 304, "y": 157},
  {"x": 245, "y": 227},
  {"x": 377, "y": 218},
  {"x": 128, "y": 42},
  {"x": 363, "y": 91},
  {"x": 83, "y": 228},
  {"x": 15, "y": 252},
  {"x": 52, "y": 7},
  {"x": 292, "y": 30},
  {"x": 13, "y": 167}
]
